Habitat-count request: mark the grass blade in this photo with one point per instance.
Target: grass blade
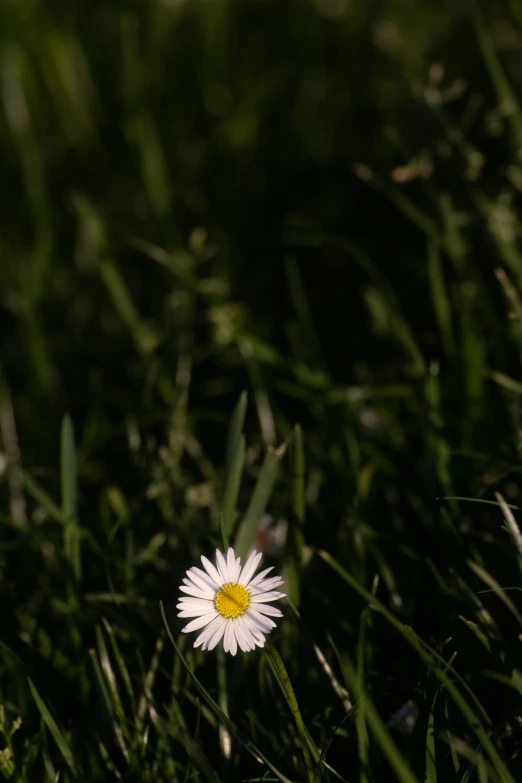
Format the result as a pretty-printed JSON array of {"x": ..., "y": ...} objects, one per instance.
[
  {"x": 383, "y": 737},
  {"x": 285, "y": 684},
  {"x": 259, "y": 500},
  {"x": 505, "y": 93},
  {"x": 252, "y": 749},
  {"x": 440, "y": 298},
  {"x": 145, "y": 339},
  {"x": 235, "y": 430},
  {"x": 512, "y": 526},
  {"x": 429, "y": 655},
  {"x": 292, "y": 571},
  {"x": 119, "y": 726},
  {"x": 63, "y": 745},
  {"x": 232, "y": 484},
  {"x": 68, "y": 466},
  {"x": 497, "y": 589},
  {"x": 431, "y": 761},
  {"x": 44, "y": 500}
]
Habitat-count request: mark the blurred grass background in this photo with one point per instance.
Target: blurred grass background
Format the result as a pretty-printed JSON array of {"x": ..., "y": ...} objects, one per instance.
[{"x": 260, "y": 272}]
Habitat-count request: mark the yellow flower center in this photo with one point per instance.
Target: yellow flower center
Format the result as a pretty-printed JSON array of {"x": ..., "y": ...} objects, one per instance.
[{"x": 232, "y": 600}]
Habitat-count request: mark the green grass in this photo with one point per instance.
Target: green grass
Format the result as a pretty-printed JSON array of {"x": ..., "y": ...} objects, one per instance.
[{"x": 261, "y": 283}]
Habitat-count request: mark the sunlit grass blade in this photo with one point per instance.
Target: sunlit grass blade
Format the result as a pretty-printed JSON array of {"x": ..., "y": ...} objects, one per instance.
[
  {"x": 101, "y": 685},
  {"x": 477, "y": 630},
  {"x": 63, "y": 745},
  {"x": 111, "y": 767},
  {"x": 52, "y": 775},
  {"x": 512, "y": 525},
  {"x": 473, "y": 756},
  {"x": 497, "y": 589},
  {"x": 423, "y": 649},
  {"x": 430, "y": 656},
  {"x": 283, "y": 679},
  {"x": 230, "y": 725},
  {"x": 119, "y": 721},
  {"x": 506, "y": 382},
  {"x": 225, "y": 739},
  {"x": 455, "y": 758},
  {"x": 68, "y": 466},
  {"x": 174, "y": 727},
  {"x": 337, "y": 687},
  {"x": 431, "y": 759},
  {"x": 146, "y": 697},
  {"x": 381, "y": 734},
  {"x": 112, "y": 711},
  {"x": 120, "y": 662},
  {"x": 259, "y": 500}
]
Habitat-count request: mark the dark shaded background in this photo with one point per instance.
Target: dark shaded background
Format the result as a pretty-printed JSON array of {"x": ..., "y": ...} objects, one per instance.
[{"x": 307, "y": 200}]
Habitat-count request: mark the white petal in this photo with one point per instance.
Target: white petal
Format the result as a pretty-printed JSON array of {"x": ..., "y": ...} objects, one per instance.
[
  {"x": 238, "y": 569},
  {"x": 250, "y": 567},
  {"x": 260, "y": 621},
  {"x": 207, "y": 633},
  {"x": 194, "y": 612},
  {"x": 266, "y": 609},
  {"x": 257, "y": 635},
  {"x": 216, "y": 638},
  {"x": 231, "y": 564},
  {"x": 222, "y": 566},
  {"x": 255, "y": 581},
  {"x": 199, "y": 622},
  {"x": 263, "y": 598},
  {"x": 202, "y": 580},
  {"x": 241, "y": 637},
  {"x": 266, "y": 584},
  {"x": 196, "y": 603},
  {"x": 248, "y": 631},
  {"x": 230, "y": 644},
  {"x": 211, "y": 571},
  {"x": 254, "y": 636},
  {"x": 226, "y": 637},
  {"x": 233, "y": 643},
  {"x": 196, "y": 592},
  {"x": 208, "y": 588}
]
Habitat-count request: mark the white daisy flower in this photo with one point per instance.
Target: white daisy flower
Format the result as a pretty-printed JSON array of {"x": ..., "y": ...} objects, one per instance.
[{"x": 229, "y": 602}]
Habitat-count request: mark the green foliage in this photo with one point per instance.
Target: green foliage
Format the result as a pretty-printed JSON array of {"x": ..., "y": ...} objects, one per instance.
[{"x": 261, "y": 282}]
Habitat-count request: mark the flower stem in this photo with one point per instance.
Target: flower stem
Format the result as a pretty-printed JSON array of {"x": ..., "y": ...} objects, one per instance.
[{"x": 286, "y": 686}]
